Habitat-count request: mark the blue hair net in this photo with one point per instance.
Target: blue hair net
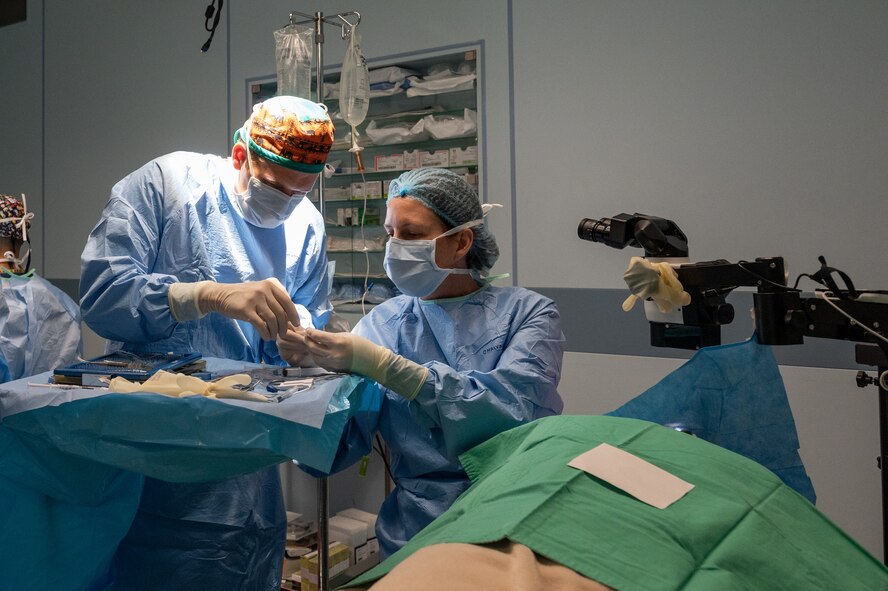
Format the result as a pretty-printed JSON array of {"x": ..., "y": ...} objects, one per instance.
[{"x": 455, "y": 202}]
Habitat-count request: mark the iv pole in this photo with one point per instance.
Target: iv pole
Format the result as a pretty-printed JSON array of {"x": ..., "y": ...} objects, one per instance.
[{"x": 345, "y": 28}]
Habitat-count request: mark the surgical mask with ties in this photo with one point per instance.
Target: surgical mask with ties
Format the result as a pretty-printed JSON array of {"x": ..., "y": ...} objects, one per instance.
[
  {"x": 262, "y": 205},
  {"x": 411, "y": 265}
]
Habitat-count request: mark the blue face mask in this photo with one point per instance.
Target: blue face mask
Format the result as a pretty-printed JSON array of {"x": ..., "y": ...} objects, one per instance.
[{"x": 411, "y": 265}]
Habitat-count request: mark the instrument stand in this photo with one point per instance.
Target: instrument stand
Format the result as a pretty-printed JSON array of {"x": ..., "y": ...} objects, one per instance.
[{"x": 867, "y": 354}]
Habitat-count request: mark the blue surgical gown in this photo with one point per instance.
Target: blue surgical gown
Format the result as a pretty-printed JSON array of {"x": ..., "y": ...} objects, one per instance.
[
  {"x": 176, "y": 219},
  {"x": 494, "y": 360},
  {"x": 39, "y": 327}
]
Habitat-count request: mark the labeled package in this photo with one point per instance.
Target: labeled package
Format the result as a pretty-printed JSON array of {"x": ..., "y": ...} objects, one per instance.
[
  {"x": 357, "y": 191},
  {"x": 390, "y": 162},
  {"x": 411, "y": 159},
  {"x": 337, "y": 562},
  {"x": 350, "y": 532},
  {"x": 439, "y": 158},
  {"x": 364, "y": 551},
  {"x": 464, "y": 156},
  {"x": 373, "y": 189}
]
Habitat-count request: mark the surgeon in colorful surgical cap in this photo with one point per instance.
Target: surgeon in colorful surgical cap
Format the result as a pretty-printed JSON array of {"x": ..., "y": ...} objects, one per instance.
[
  {"x": 459, "y": 359},
  {"x": 39, "y": 324},
  {"x": 196, "y": 252}
]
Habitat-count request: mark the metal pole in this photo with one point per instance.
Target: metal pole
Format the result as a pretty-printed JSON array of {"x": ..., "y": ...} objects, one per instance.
[
  {"x": 323, "y": 511},
  {"x": 319, "y": 87},
  {"x": 883, "y": 458},
  {"x": 323, "y": 542}
]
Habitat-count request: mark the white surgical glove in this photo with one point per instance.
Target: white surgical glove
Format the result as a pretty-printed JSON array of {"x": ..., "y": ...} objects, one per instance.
[
  {"x": 345, "y": 351},
  {"x": 657, "y": 281},
  {"x": 292, "y": 348},
  {"x": 264, "y": 304}
]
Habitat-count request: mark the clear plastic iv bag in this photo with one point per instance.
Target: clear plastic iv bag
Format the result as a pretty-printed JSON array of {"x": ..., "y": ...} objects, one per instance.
[
  {"x": 293, "y": 53},
  {"x": 354, "y": 90}
]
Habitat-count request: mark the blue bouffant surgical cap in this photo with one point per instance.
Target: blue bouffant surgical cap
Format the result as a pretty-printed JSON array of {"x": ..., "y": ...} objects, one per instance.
[{"x": 455, "y": 202}]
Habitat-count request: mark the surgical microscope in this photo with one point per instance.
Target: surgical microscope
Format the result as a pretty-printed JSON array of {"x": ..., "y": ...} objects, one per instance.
[{"x": 782, "y": 315}]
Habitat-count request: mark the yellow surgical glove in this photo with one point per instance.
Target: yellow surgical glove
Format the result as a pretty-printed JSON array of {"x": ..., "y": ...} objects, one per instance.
[
  {"x": 344, "y": 351},
  {"x": 657, "y": 281},
  {"x": 178, "y": 385}
]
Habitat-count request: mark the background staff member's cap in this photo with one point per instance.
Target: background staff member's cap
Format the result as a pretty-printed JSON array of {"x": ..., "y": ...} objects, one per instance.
[
  {"x": 11, "y": 207},
  {"x": 291, "y": 132}
]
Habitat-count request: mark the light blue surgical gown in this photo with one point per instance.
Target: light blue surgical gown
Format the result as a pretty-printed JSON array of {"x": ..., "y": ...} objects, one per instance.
[
  {"x": 39, "y": 327},
  {"x": 177, "y": 219},
  {"x": 494, "y": 360}
]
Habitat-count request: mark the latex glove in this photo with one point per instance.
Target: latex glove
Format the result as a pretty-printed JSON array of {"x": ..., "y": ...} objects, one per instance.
[
  {"x": 291, "y": 346},
  {"x": 264, "y": 304},
  {"x": 345, "y": 351},
  {"x": 657, "y": 281},
  {"x": 179, "y": 385}
]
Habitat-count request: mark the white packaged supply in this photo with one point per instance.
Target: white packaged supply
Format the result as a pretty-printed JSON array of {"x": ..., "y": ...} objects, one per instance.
[
  {"x": 368, "y": 518},
  {"x": 464, "y": 156},
  {"x": 390, "y": 162},
  {"x": 373, "y": 189},
  {"x": 364, "y": 551},
  {"x": 440, "y": 158},
  {"x": 357, "y": 191},
  {"x": 411, "y": 159},
  {"x": 337, "y": 193},
  {"x": 351, "y": 532},
  {"x": 385, "y": 188},
  {"x": 442, "y": 127}
]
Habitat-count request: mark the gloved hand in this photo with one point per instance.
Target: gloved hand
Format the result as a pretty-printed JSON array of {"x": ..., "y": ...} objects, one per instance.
[
  {"x": 291, "y": 346},
  {"x": 657, "y": 281},
  {"x": 264, "y": 304},
  {"x": 344, "y": 351}
]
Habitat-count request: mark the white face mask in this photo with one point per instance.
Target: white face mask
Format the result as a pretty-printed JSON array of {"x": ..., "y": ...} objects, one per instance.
[
  {"x": 262, "y": 205},
  {"x": 411, "y": 265}
]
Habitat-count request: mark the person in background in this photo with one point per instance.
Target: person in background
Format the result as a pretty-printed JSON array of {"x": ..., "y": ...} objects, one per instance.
[
  {"x": 39, "y": 324},
  {"x": 459, "y": 359},
  {"x": 197, "y": 252}
]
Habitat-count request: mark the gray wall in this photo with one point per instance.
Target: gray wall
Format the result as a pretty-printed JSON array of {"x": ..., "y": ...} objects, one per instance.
[{"x": 758, "y": 125}]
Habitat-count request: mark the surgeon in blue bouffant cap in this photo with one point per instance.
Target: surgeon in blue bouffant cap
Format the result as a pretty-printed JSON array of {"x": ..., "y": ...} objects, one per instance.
[
  {"x": 459, "y": 359},
  {"x": 197, "y": 252},
  {"x": 39, "y": 324}
]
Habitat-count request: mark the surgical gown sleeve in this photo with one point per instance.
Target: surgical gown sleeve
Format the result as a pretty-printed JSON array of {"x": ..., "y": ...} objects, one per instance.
[
  {"x": 472, "y": 399},
  {"x": 120, "y": 297}
]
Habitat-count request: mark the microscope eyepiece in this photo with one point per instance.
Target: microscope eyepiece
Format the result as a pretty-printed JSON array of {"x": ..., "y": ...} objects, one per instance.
[{"x": 594, "y": 230}]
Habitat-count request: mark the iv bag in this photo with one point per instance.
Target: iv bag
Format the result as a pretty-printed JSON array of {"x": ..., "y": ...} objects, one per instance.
[
  {"x": 354, "y": 89},
  {"x": 293, "y": 53}
]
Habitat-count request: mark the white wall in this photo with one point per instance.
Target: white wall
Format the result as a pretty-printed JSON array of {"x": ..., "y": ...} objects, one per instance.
[{"x": 758, "y": 125}]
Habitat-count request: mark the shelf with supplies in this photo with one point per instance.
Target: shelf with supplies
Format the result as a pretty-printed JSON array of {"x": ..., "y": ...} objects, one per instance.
[{"x": 423, "y": 111}]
